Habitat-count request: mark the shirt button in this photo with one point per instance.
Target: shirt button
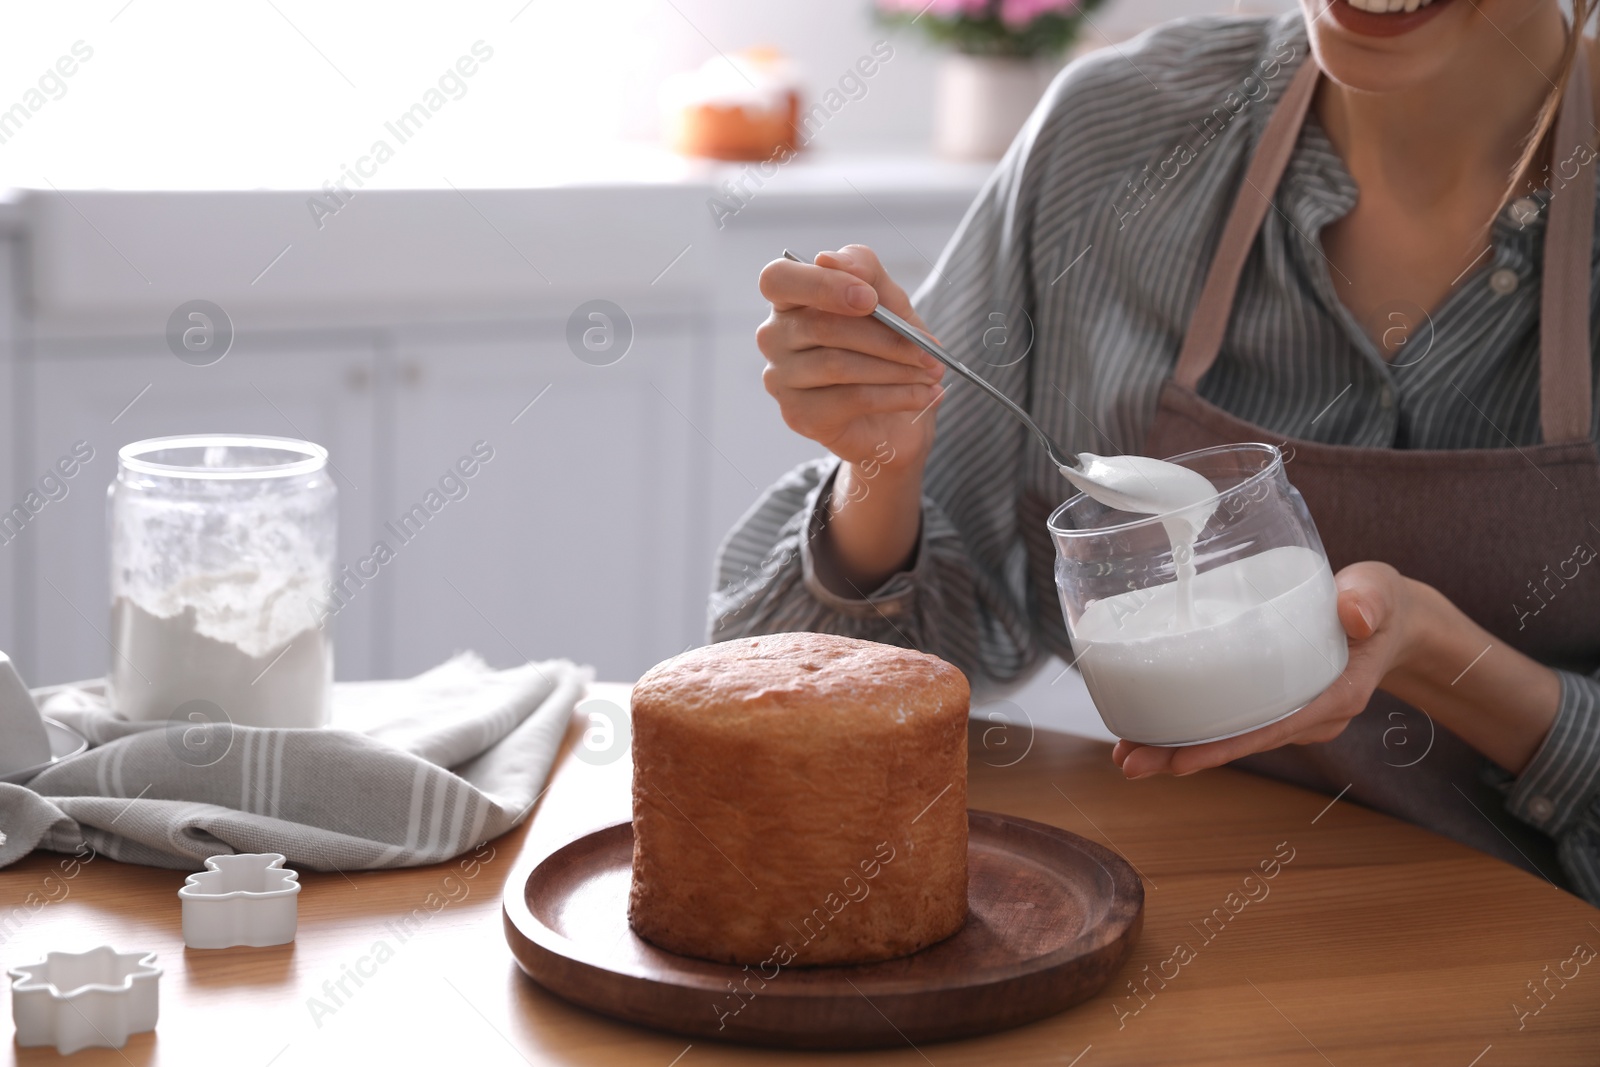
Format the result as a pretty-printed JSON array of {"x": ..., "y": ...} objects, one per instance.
[
  {"x": 1503, "y": 281},
  {"x": 1524, "y": 209},
  {"x": 1541, "y": 808},
  {"x": 1386, "y": 398}
]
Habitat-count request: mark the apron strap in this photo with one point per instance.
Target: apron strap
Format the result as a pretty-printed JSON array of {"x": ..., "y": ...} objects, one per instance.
[
  {"x": 1209, "y": 322},
  {"x": 1566, "y": 384}
]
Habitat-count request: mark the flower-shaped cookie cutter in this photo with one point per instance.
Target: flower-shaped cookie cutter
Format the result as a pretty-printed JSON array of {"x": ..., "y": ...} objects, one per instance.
[
  {"x": 75, "y": 1000},
  {"x": 244, "y": 899}
]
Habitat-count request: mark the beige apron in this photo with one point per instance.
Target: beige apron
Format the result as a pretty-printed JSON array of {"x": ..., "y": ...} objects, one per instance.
[{"x": 1487, "y": 527}]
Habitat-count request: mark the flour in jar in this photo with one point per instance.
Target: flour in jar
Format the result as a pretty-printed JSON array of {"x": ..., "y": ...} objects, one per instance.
[{"x": 243, "y": 640}]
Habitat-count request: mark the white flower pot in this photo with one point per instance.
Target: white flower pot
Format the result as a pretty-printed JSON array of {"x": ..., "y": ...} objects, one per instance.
[{"x": 982, "y": 101}]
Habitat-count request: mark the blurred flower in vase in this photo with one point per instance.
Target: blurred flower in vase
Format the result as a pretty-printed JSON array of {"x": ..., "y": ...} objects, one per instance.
[{"x": 1003, "y": 54}]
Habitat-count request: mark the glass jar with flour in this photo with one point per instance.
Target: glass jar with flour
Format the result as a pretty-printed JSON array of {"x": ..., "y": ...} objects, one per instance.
[
  {"x": 1207, "y": 621},
  {"x": 222, "y": 551}
]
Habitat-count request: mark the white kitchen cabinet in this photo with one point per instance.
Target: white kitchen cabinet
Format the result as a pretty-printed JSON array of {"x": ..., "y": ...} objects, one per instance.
[
  {"x": 110, "y": 392},
  {"x": 585, "y": 535},
  {"x": 757, "y": 447}
]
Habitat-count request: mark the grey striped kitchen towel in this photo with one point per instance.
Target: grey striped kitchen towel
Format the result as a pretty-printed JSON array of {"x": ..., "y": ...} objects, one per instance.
[{"x": 410, "y": 772}]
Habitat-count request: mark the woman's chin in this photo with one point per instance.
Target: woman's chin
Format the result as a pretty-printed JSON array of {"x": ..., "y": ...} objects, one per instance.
[{"x": 1389, "y": 51}]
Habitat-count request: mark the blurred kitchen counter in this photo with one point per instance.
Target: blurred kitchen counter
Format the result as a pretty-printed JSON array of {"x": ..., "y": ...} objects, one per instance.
[{"x": 100, "y": 261}]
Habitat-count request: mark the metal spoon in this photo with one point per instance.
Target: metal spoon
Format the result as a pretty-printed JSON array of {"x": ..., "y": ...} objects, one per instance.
[{"x": 1058, "y": 455}]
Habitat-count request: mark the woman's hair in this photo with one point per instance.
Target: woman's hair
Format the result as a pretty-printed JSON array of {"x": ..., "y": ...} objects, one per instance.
[{"x": 1545, "y": 124}]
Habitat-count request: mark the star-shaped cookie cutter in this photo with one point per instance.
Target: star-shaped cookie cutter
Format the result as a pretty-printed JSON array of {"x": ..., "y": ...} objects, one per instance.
[{"x": 75, "y": 1000}]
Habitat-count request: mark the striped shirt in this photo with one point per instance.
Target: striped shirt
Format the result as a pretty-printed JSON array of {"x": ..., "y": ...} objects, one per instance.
[{"x": 1070, "y": 283}]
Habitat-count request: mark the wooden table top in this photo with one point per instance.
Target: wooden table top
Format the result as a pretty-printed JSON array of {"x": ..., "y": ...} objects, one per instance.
[{"x": 1374, "y": 942}]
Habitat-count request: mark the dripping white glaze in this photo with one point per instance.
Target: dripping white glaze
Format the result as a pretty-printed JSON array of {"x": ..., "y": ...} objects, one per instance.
[{"x": 1144, "y": 486}]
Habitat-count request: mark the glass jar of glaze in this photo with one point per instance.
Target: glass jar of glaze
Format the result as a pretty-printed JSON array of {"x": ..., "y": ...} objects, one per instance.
[
  {"x": 222, "y": 554},
  {"x": 1181, "y": 644}
]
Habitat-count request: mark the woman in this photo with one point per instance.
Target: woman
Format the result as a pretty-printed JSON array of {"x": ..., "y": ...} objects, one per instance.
[{"x": 1366, "y": 236}]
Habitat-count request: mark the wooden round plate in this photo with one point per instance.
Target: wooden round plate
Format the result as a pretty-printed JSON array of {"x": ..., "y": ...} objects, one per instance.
[{"x": 1052, "y": 917}]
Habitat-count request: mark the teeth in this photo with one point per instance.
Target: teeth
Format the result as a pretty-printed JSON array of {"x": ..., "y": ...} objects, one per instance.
[{"x": 1381, "y": 7}]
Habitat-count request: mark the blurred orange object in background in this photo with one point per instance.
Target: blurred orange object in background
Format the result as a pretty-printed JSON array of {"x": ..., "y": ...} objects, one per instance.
[{"x": 743, "y": 106}]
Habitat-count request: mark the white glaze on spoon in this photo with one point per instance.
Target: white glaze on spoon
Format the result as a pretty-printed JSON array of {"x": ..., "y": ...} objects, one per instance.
[
  {"x": 1138, "y": 484},
  {"x": 1154, "y": 487}
]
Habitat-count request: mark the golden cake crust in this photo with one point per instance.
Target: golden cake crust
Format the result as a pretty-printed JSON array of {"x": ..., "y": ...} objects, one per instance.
[
  {"x": 864, "y": 682},
  {"x": 799, "y": 795}
]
